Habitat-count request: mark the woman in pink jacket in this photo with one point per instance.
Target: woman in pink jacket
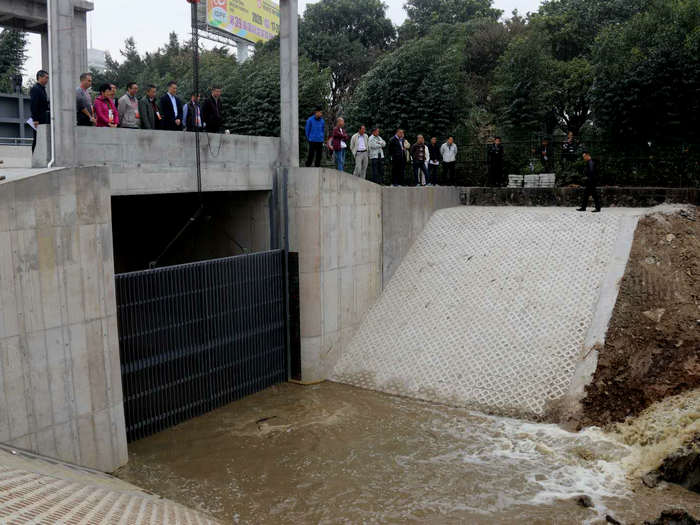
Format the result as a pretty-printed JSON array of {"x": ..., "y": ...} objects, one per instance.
[{"x": 105, "y": 110}]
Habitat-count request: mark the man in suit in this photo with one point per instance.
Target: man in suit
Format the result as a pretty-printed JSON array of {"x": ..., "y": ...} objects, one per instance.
[
  {"x": 192, "y": 114},
  {"x": 39, "y": 102},
  {"x": 171, "y": 109},
  {"x": 591, "y": 175},
  {"x": 212, "y": 111},
  {"x": 397, "y": 153}
]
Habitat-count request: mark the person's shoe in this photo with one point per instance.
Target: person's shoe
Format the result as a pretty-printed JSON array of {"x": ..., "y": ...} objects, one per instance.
[
  {"x": 580, "y": 209},
  {"x": 597, "y": 210}
]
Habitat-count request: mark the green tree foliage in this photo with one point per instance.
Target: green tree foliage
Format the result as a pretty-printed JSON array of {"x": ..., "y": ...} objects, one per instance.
[
  {"x": 424, "y": 15},
  {"x": 419, "y": 87},
  {"x": 647, "y": 75},
  {"x": 13, "y": 54},
  {"x": 346, "y": 37}
]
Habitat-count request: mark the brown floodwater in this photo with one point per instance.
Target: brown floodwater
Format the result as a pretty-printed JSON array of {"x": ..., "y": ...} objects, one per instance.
[{"x": 331, "y": 453}]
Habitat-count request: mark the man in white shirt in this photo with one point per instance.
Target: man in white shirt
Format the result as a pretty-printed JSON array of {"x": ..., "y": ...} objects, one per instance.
[
  {"x": 448, "y": 152},
  {"x": 359, "y": 145}
]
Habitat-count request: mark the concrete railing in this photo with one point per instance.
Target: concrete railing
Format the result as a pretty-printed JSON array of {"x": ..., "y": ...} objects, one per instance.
[{"x": 146, "y": 162}]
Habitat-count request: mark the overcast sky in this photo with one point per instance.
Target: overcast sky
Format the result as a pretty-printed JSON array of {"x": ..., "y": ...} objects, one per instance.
[{"x": 153, "y": 20}]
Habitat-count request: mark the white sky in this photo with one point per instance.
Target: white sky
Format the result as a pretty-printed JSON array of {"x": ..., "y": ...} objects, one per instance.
[{"x": 151, "y": 22}]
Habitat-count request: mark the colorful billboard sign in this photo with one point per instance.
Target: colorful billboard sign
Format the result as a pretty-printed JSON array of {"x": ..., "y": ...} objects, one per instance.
[{"x": 251, "y": 20}]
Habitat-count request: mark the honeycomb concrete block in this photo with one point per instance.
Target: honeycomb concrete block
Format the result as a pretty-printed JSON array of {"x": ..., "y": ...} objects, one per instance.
[{"x": 490, "y": 308}]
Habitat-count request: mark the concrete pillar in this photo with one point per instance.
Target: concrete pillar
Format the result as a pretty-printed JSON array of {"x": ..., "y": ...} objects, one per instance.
[
  {"x": 289, "y": 84},
  {"x": 66, "y": 48},
  {"x": 44, "y": 53},
  {"x": 242, "y": 51},
  {"x": 80, "y": 42}
]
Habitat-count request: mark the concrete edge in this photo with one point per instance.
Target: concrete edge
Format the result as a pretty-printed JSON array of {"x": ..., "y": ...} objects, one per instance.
[{"x": 570, "y": 408}]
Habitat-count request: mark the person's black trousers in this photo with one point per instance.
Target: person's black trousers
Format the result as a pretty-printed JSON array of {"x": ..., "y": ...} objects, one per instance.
[
  {"x": 418, "y": 168},
  {"x": 315, "y": 152},
  {"x": 433, "y": 174},
  {"x": 591, "y": 191},
  {"x": 448, "y": 173},
  {"x": 398, "y": 168},
  {"x": 378, "y": 170},
  {"x": 495, "y": 175},
  {"x": 34, "y": 140}
]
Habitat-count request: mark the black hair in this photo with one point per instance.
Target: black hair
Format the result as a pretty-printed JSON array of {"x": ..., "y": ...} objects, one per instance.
[
  {"x": 215, "y": 86},
  {"x": 41, "y": 74},
  {"x": 128, "y": 86},
  {"x": 83, "y": 76},
  {"x": 497, "y": 138},
  {"x": 585, "y": 152},
  {"x": 150, "y": 86},
  {"x": 104, "y": 87},
  {"x": 172, "y": 83}
]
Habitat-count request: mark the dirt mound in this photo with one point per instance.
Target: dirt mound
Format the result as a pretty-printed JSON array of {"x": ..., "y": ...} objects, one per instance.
[{"x": 652, "y": 348}]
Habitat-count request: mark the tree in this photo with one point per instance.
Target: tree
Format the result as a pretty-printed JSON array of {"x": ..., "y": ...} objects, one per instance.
[
  {"x": 423, "y": 15},
  {"x": 419, "y": 87},
  {"x": 13, "y": 54},
  {"x": 347, "y": 37},
  {"x": 647, "y": 75}
]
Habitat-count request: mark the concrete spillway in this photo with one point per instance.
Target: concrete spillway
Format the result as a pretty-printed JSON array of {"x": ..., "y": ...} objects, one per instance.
[{"x": 493, "y": 308}]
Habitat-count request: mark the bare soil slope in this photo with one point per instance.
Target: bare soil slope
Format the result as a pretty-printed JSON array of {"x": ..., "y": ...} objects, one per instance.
[{"x": 652, "y": 348}]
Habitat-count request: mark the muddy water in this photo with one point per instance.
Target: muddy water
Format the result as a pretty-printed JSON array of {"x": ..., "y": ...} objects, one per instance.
[{"x": 336, "y": 454}]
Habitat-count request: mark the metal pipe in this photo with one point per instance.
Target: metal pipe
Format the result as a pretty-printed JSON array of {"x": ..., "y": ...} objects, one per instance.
[{"x": 49, "y": 28}]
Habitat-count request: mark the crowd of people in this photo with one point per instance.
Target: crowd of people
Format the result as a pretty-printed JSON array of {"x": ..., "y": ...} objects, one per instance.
[
  {"x": 168, "y": 112},
  {"x": 422, "y": 159}
]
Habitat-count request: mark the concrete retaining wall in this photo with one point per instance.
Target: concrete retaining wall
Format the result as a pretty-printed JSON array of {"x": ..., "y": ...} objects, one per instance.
[
  {"x": 611, "y": 196},
  {"x": 335, "y": 225},
  {"x": 405, "y": 212},
  {"x": 60, "y": 379},
  {"x": 15, "y": 157},
  {"x": 148, "y": 162}
]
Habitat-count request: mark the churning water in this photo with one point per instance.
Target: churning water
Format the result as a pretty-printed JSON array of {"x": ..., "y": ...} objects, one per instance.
[{"x": 337, "y": 454}]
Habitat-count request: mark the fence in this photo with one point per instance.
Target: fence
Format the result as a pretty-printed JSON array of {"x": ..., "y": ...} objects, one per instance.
[
  {"x": 620, "y": 164},
  {"x": 196, "y": 336}
]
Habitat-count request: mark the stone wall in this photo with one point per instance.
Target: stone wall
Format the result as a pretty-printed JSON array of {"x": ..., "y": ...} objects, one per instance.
[
  {"x": 60, "y": 378},
  {"x": 405, "y": 212},
  {"x": 335, "y": 225},
  {"x": 611, "y": 196}
]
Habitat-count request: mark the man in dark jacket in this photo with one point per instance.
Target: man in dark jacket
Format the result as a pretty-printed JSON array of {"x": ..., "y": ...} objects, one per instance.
[
  {"x": 418, "y": 154},
  {"x": 171, "y": 109},
  {"x": 398, "y": 158},
  {"x": 39, "y": 102},
  {"x": 148, "y": 109},
  {"x": 212, "y": 112},
  {"x": 545, "y": 154},
  {"x": 590, "y": 173},
  {"x": 192, "y": 114},
  {"x": 434, "y": 164},
  {"x": 495, "y": 154}
]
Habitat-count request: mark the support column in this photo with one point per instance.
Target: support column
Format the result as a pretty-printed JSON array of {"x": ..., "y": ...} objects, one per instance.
[
  {"x": 289, "y": 84},
  {"x": 44, "y": 54},
  {"x": 63, "y": 77}
]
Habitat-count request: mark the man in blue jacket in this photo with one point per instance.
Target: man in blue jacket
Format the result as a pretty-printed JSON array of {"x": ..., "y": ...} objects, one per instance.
[{"x": 315, "y": 134}]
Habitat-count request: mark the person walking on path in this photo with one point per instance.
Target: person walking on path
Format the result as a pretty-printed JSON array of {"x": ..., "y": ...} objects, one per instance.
[
  {"x": 419, "y": 153},
  {"x": 39, "y": 100},
  {"x": 397, "y": 146},
  {"x": 83, "y": 102},
  {"x": 590, "y": 173},
  {"x": 376, "y": 156},
  {"x": 359, "y": 145},
  {"x": 434, "y": 164},
  {"x": 105, "y": 110},
  {"x": 448, "y": 152},
  {"x": 315, "y": 135},
  {"x": 129, "y": 116},
  {"x": 212, "y": 111},
  {"x": 339, "y": 142},
  {"x": 495, "y": 154},
  {"x": 148, "y": 109}
]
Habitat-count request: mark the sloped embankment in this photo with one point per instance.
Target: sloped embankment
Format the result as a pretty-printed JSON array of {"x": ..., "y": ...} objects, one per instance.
[{"x": 652, "y": 348}]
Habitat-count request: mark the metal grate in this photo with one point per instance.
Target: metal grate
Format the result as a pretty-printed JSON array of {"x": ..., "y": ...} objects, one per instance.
[{"x": 196, "y": 336}]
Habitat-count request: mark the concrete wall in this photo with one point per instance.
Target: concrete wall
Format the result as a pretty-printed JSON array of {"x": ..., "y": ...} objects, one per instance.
[
  {"x": 405, "y": 212},
  {"x": 148, "y": 162},
  {"x": 335, "y": 225},
  {"x": 60, "y": 379},
  {"x": 15, "y": 157}
]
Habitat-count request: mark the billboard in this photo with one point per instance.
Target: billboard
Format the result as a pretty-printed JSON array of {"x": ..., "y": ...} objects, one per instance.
[{"x": 251, "y": 20}]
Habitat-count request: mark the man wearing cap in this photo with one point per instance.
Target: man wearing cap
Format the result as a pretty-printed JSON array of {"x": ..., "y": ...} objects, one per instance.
[{"x": 315, "y": 134}]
